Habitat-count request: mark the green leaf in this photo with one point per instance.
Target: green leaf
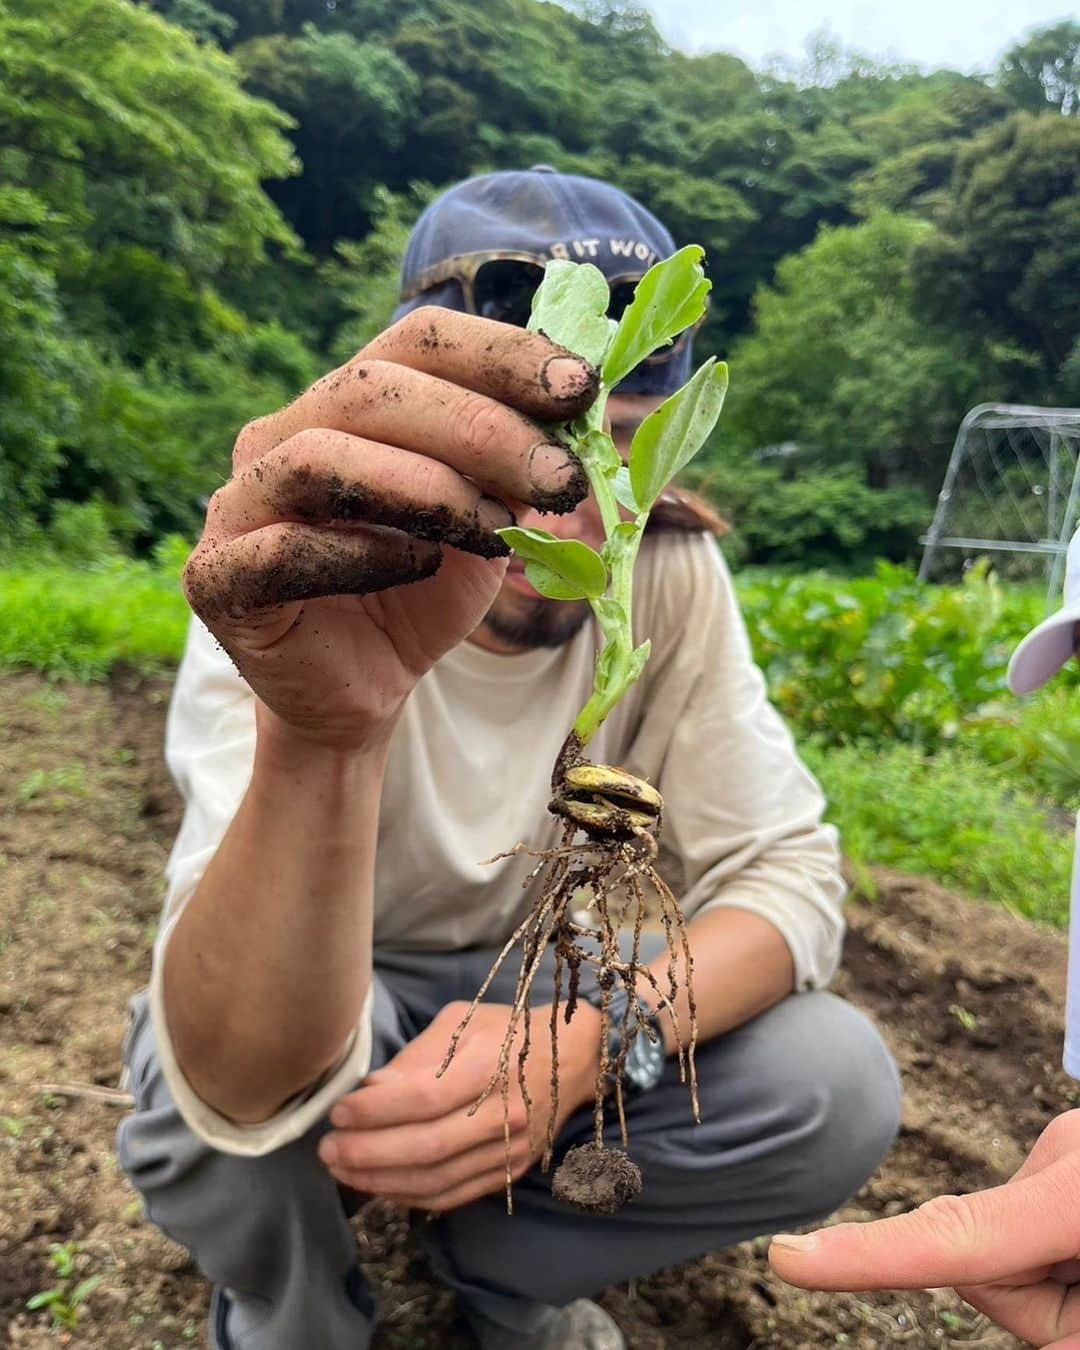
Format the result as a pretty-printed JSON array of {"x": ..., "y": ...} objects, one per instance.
[
  {"x": 82, "y": 1291},
  {"x": 597, "y": 452},
  {"x": 579, "y": 569},
  {"x": 672, "y": 435},
  {"x": 669, "y": 298},
  {"x": 623, "y": 540},
  {"x": 45, "y": 1299},
  {"x": 550, "y": 584},
  {"x": 608, "y": 662},
  {"x": 612, "y": 616},
  {"x": 624, "y": 490},
  {"x": 570, "y": 307},
  {"x": 638, "y": 659},
  {"x": 63, "y": 1257}
]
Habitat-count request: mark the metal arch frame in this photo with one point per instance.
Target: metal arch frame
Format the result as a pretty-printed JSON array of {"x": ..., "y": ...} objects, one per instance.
[{"x": 996, "y": 415}]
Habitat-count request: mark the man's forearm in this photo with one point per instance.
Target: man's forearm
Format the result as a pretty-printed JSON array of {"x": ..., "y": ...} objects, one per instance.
[
  {"x": 742, "y": 967},
  {"x": 267, "y": 970}
]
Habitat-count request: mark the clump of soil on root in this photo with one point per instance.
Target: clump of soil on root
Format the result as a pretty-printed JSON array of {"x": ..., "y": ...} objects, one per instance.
[
  {"x": 597, "y": 1180},
  {"x": 614, "y": 864}
]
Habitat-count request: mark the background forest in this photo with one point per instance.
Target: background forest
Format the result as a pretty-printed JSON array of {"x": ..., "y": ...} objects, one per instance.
[{"x": 203, "y": 204}]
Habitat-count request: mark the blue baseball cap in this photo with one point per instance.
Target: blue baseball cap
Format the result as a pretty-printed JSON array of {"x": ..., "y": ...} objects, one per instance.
[{"x": 535, "y": 215}]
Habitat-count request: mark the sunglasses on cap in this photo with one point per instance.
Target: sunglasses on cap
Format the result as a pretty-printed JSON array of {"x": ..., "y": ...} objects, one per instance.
[{"x": 500, "y": 284}]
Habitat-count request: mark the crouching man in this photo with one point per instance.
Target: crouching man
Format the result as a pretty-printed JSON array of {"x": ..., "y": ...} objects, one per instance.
[{"x": 369, "y": 706}]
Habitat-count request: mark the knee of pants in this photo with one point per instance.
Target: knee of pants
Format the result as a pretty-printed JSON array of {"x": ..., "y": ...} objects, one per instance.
[
  {"x": 236, "y": 1215},
  {"x": 233, "y": 1214},
  {"x": 839, "y": 1097}
]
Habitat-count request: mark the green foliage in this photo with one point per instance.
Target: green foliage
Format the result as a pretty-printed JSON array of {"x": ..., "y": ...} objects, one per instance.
[
  {"x": 1036, "y": 741},
  {"x": 354, "y": 102},
  {"x": 841, "y": 365},
  {"x": 561, "y": 569},
  {"x": 80, "y": 622},
  {"x": 364, "y": 277},
  {"x": 784, "y": 512},
  {"x": 1044, "y": 71},
  {"x": 154, "y": 194},
  {"x": 131, "y": 185},
  {"x": 570, "y": 308},
  {"x": 65, "y": 1300},
  {"x": 883, "y": 658},
  {"x": 951, "y": 817},
  {"x": 669, "y": 299},
  {"x": 1005, "y": 259},
  {"x": 671, "y": 436}
]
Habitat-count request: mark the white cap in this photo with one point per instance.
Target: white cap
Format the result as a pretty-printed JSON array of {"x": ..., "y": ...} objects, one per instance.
[{"x": 1050, "y": 646}]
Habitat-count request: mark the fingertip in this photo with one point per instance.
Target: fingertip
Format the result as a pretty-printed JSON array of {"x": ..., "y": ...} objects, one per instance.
[
  {"x": 795, "y": 1242},
  {"x": 570, "y": 379},
  {"x": 787, "y": 1256}
]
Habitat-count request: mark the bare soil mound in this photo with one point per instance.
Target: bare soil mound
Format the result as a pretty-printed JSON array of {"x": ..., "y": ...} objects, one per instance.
[{"x": 969, "y": 997}]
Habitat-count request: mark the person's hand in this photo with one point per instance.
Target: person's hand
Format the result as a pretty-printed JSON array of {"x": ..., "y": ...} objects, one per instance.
[
  {"x": 408, "y": 1136},
  {"x": 1012, "y": 1252},
  {"x": 323, "y": 568}
]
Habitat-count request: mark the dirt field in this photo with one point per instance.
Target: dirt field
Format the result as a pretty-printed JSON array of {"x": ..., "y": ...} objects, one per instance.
[{"x": 969, "y": 997}]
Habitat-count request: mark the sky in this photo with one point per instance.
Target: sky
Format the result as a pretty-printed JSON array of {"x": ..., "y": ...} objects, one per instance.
[{"x": 967, "y": 35}]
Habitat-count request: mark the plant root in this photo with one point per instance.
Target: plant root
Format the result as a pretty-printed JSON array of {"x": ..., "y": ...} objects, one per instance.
[{"x": 609, "y": 874}]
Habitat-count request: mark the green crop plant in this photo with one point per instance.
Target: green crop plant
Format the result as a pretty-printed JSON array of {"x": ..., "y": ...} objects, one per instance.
[
  {"x": 64, "y": 1301},
  {"x": 618, "y": 814}
]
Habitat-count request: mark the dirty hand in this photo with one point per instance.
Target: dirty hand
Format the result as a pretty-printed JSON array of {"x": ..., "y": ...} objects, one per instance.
[
  {"x": 353, "y": 545},
  {"x": 1012, "y": 1252},
  {"x": 407, "y": 1136}
]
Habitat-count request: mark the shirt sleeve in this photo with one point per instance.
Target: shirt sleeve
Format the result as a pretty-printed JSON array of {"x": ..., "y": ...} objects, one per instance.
[
  {"x": 210, "y": 751},
  {"x": 743, "y": 815}
]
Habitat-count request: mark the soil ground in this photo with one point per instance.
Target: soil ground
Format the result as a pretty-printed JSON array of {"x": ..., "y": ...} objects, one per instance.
[{"x": 969, "y": 998}]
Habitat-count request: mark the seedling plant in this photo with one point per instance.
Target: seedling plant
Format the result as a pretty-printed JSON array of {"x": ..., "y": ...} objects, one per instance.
[
  {"x": 64, "y": 1301},
  {"x": 611, "y": 819}
]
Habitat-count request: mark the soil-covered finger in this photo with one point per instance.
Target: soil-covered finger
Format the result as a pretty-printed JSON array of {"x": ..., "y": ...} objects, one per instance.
[
  {"x": 391, "y": 405},
  {"x": 512, "y": 365},
  {"x": 325, "y": 476},
  {"x": 287, "y": 562}
]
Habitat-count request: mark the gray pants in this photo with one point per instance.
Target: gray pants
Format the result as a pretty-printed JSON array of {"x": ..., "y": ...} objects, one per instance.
[{"x": 798, "y": 1107}]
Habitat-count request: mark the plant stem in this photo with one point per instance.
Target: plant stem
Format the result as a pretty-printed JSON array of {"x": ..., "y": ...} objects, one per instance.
[{"x": 609, "y": 689}]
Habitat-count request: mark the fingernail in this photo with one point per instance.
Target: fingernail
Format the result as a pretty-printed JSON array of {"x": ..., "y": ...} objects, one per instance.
[
  {"x": 796, "y": 1242},
  {"x": 492, "y": 514},
  {"x": 329, "y": 1151},
  {"x": 339, "y": 1116},
  {"x": 553, "y": 471},
  {"x": 568, "y": 377}
]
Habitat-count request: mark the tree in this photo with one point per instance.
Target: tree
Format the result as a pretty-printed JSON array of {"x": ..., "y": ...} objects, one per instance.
[
  {"x": 1005, "y": 260},
  {"x": 353, "y": 103},
  {"x": 131, "y": 165},
  {"x": 841, "y": 364},
  {"x": 1043, "y": 73},
  {"x": 912, "y": 145}
]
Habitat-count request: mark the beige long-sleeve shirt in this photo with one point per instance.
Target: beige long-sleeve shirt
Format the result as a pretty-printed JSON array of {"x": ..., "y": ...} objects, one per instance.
[{"x": 468, "y": 777}]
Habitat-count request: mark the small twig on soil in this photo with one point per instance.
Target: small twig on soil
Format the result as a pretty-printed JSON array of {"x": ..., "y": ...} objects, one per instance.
[{"x": 106, "y": 1096}]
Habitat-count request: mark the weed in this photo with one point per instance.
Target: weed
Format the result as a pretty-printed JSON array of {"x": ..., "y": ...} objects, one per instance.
[
  {"x": 64, "y": 1300},
  {"x": 59, "y": 785},
  {"x": 962, "y": 822},
  {"x": 79, "y": 622},
  {"x": 967, "y": 1019}
]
